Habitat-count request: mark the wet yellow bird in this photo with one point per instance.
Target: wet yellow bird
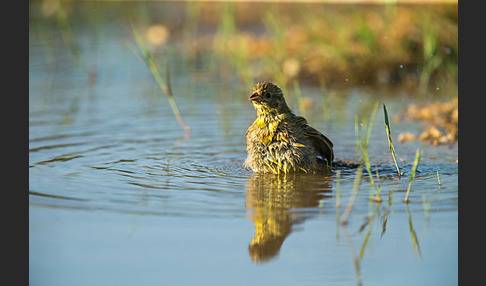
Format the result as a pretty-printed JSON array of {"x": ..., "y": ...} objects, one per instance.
[{"x": 280, "y": 141}]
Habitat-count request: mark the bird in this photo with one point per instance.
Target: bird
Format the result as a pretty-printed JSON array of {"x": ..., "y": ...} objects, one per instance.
[{"x": 279, "y": 141}]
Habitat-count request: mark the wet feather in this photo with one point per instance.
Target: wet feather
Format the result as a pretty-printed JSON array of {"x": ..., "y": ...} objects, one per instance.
[{"x": 280, "y": 141}]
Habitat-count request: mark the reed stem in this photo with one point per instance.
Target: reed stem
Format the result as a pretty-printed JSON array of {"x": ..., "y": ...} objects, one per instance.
[
  {"x": 165, "y": 86},
  {"x": 414, "y": 169},
  {"x": 390, "y": 143}
]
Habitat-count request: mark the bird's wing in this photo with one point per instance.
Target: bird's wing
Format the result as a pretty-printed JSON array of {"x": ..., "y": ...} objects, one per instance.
[{"x": 322, "y": 144}]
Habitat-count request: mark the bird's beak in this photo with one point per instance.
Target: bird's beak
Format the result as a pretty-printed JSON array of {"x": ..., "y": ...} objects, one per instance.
[{"x": 255, "y": 97}]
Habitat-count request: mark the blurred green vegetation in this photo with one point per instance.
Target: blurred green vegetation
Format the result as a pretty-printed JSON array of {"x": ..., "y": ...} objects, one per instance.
[{"x": 411, "y": 46}]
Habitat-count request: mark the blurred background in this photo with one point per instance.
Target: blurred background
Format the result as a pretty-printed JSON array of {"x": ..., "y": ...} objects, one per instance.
[{"x": 395, "y": 43}]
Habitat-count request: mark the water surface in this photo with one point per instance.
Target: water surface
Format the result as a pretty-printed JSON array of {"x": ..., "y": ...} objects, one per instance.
[{"x": 119, "y": 195}]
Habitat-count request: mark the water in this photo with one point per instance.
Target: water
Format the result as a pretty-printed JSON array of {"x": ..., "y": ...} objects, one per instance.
[{"x": 118, "y": 194}]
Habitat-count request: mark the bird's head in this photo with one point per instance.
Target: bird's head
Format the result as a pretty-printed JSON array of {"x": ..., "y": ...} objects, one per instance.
[{"x": 267, "y": 97}]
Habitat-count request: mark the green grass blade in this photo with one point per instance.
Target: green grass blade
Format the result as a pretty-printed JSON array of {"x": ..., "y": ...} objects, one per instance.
[
  {"x": 165, "y": 86},
  {"x": 365, "y": 242},
  {"x": 415, "y": 241},
  {"x": 418, "y": 154},
  {"x": 390, "y": 143},
  {"x": 438, "y": 179},
  {"x": 338, "y": 188},
  {"x": 370, "y": 123},
  {"x": 362, "y": 145},
  {"x": 349, "y": 206}
]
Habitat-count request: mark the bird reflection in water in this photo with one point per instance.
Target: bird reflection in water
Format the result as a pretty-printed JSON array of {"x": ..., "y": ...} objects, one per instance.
[{"x": 273, "y": 203}]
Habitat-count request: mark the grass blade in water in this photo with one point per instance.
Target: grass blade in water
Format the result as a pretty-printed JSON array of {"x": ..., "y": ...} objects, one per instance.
[
  {"x": 418, "y": 154},
  {"x": 438, "y": 179},
  {"x": 357, "y": 181},
  {"x": 415, "y": 241},
  {"x": 390, "y": 143},
  {"x": 164, "y": 85},
  {"x": 338, "y": 188},
  {"x": 362, "y": 145}
]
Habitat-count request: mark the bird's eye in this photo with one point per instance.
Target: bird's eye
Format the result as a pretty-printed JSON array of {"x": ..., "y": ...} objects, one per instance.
[{"x": 268, "y": 95}]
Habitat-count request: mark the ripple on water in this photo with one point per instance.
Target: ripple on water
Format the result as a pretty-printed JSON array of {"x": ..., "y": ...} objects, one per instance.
[{"x": 89, "y": 170}]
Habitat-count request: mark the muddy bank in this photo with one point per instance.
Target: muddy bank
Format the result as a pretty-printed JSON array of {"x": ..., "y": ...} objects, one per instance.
[{"x": 440, "y": 120}]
